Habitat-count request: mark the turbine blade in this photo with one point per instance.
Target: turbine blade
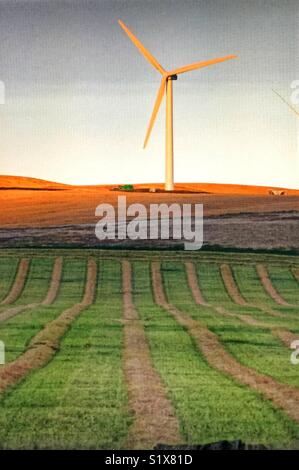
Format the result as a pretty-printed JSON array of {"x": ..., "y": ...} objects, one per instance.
[
  {"x": 286, "y": 102},
  {"x": 151, "y": 59},
  {"x": 158, "y": 102},
  {"x": 199, "y": 65}
]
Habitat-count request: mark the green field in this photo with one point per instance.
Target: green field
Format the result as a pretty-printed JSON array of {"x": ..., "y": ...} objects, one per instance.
[{"x": 81, "y": 395}]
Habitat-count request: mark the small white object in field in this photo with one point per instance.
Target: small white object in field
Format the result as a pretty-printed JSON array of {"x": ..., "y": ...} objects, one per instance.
[{"x": 277, "y": 192}]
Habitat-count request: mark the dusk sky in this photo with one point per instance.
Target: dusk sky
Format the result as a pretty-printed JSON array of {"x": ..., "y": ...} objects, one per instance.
[{"x": 79, "y": 94}]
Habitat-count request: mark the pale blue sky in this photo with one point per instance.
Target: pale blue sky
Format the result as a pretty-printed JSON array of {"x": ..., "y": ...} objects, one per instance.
[{"x": 79, "y": 95}]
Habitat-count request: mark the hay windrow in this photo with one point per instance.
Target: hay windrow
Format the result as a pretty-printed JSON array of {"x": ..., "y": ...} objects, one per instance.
[
  {"x": 154, "y": 417},
  {"x": 231, "y": 286},
  {"x": 55, "y": 282},
  {"x": 19, "y": 282},
  {"x": 193, "y": 284},
  {"x": 268, "y": 286}
]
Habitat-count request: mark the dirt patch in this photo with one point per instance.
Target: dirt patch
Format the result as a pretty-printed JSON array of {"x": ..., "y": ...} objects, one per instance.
[
  {"x": 55, "y": 282},
  {"x": 154, "y": 418},
  {"x": 45, "y": 344},
  {"x": 283, "y": 396},
  {"x": 19, "y": 282},
  {"x": 268, "y": 286}
]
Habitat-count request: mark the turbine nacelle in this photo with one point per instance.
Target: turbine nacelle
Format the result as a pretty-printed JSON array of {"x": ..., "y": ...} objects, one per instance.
[{"x": 172, "y": 77}]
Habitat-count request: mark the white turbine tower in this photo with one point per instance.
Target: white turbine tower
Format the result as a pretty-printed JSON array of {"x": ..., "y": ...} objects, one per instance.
[{"x": 166, "y": 86}]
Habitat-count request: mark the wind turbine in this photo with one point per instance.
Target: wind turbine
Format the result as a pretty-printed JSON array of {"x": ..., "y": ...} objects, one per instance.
[
  {"x": 286, "y": 102},
  {"x": 166, "y": 86}
]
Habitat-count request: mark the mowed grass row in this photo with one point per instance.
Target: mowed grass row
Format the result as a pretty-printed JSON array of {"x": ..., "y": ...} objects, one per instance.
[
  {"x": 286, "y": 284},
  {"x": 282, "y": 279},
  {"x": 79, "y": 399},
  {"x": 252, "y": 290},
  {"x": 20, "y": 329}
]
